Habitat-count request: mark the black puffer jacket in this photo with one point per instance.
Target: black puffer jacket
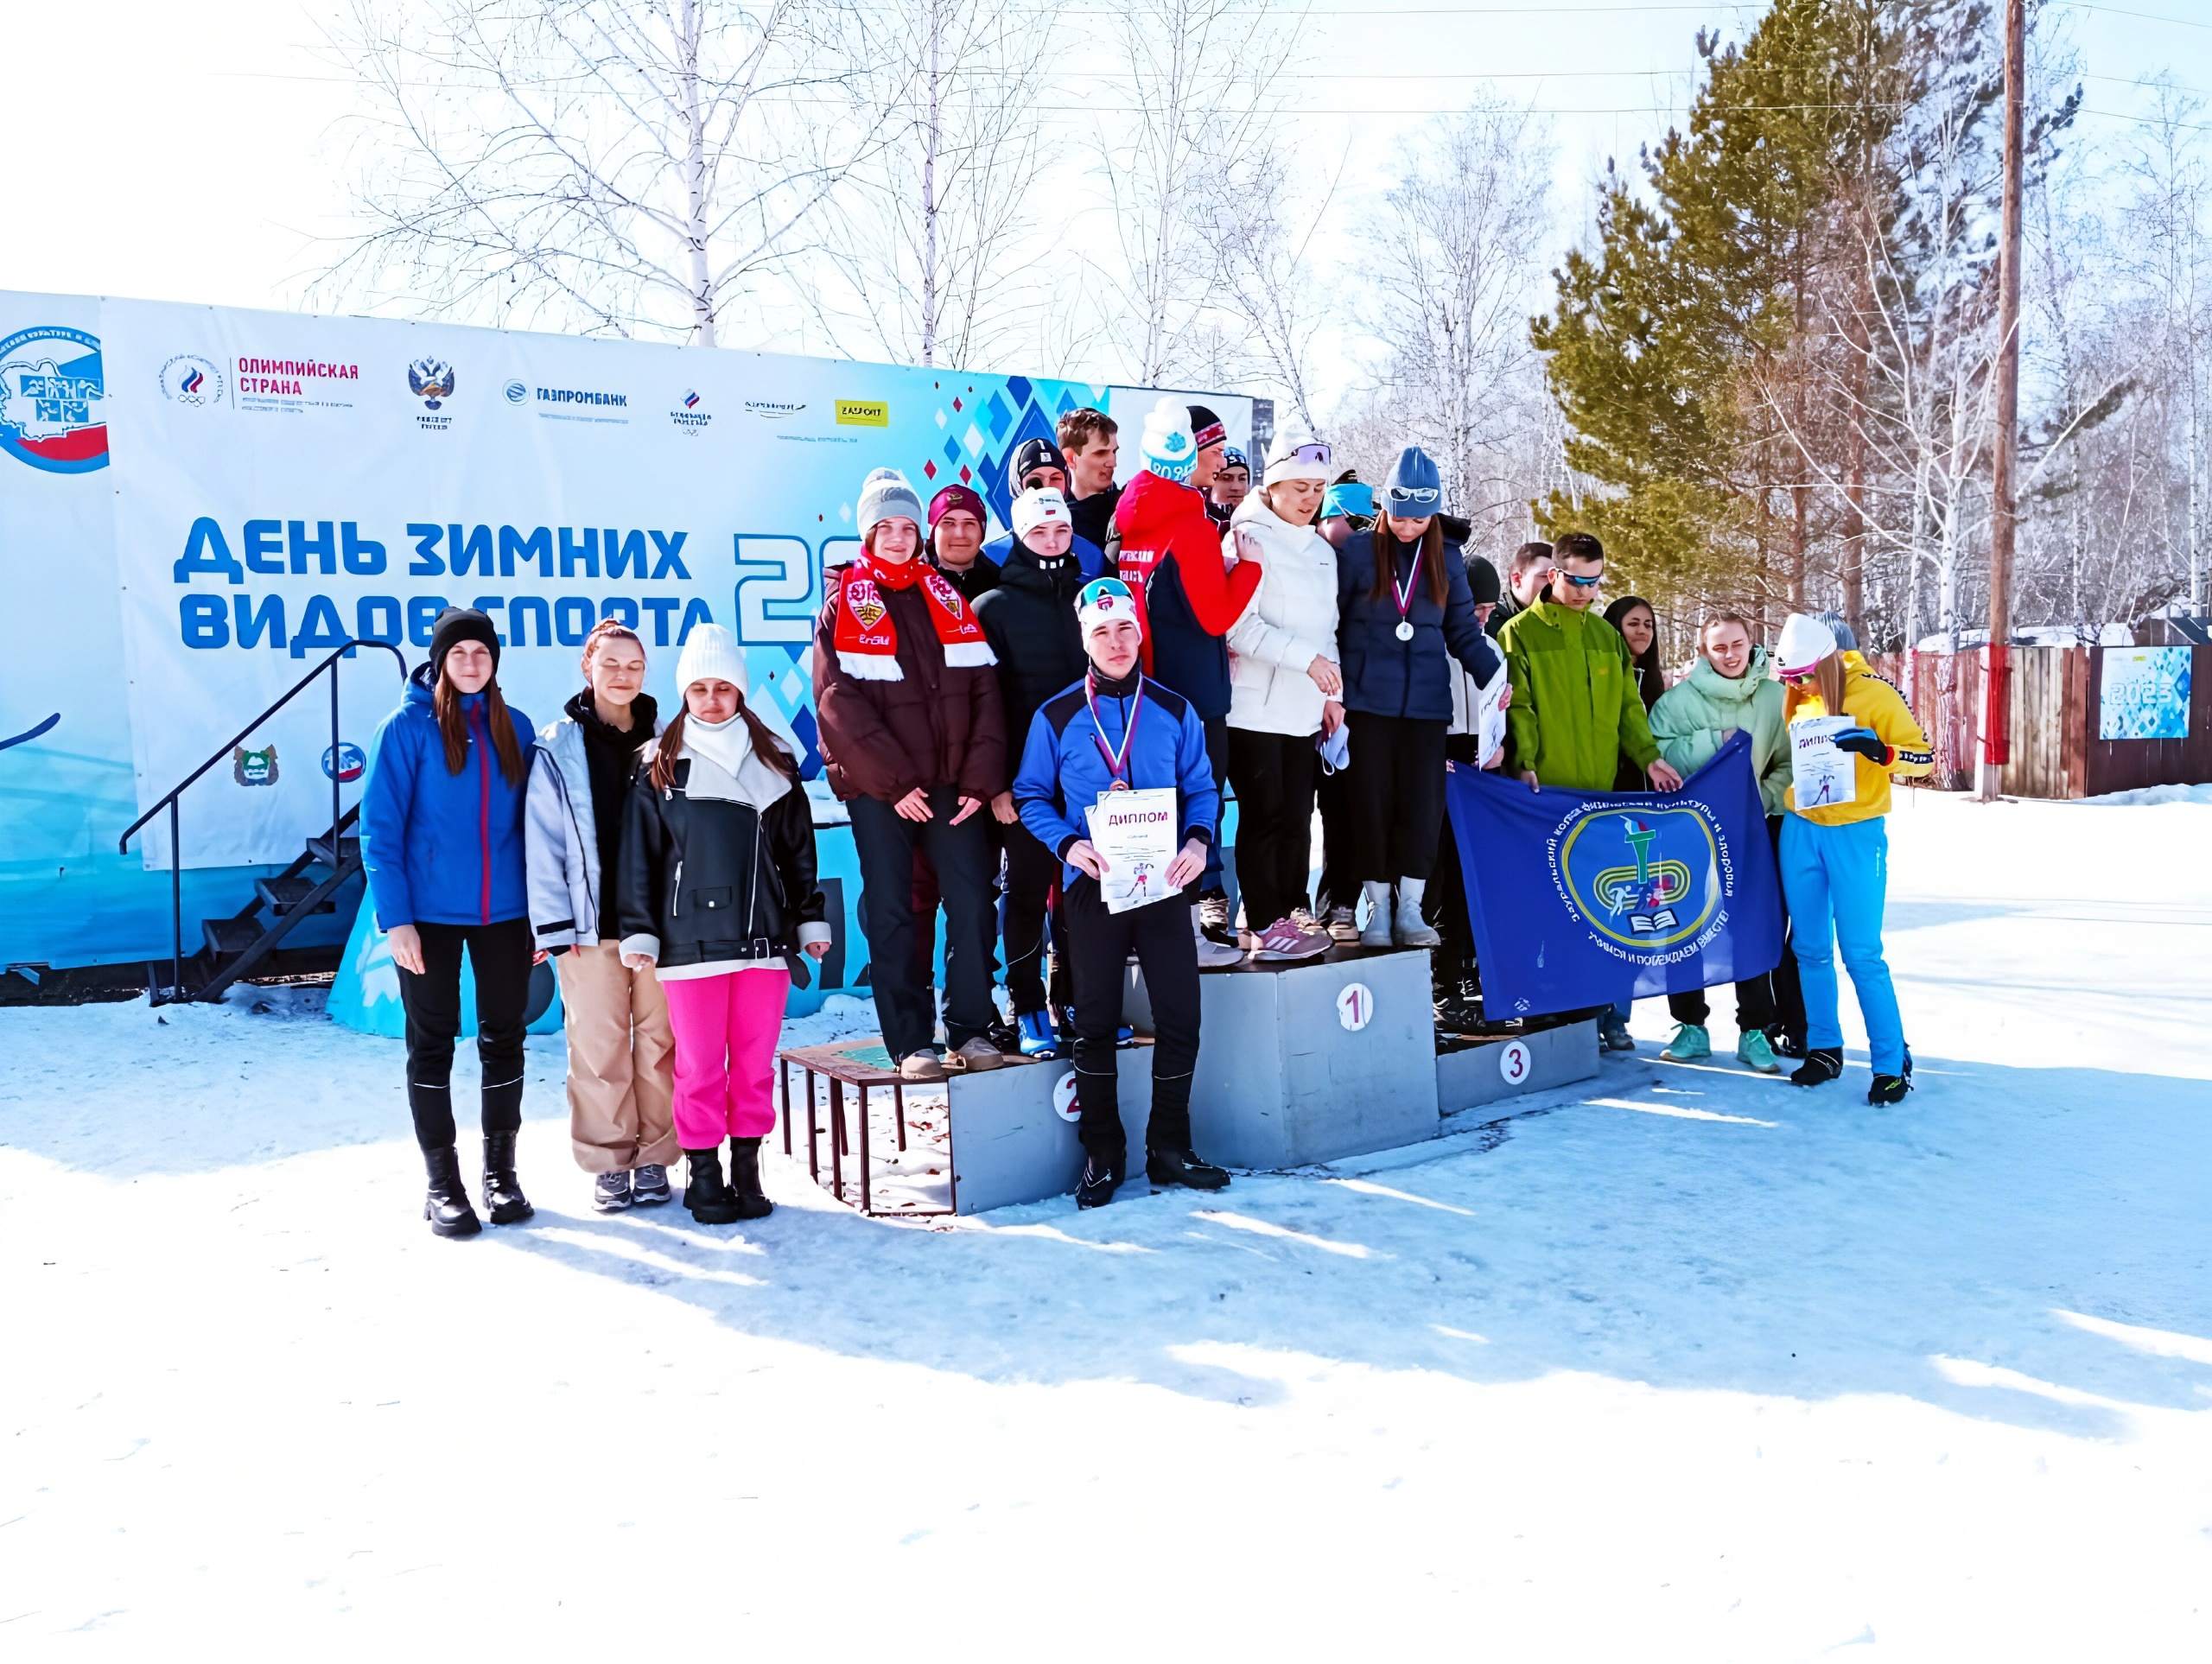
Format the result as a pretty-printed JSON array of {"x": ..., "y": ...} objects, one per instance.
[
  {"x": 1030, "y": 621},
  {"x": 713, "y": 879}
]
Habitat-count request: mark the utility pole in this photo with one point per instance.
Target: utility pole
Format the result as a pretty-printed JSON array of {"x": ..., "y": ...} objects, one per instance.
[{"x": 1997, "y": 677}]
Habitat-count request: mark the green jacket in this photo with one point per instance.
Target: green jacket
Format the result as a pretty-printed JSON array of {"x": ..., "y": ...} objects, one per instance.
[
  {"x": 1575, "y": 710},
  {"x": 1695, "y": 718}
]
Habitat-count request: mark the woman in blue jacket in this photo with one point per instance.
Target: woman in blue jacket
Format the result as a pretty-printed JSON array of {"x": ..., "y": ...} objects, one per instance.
[
  {"x": 441, "y": 839},
  {"x": 1404, "y": 612}
]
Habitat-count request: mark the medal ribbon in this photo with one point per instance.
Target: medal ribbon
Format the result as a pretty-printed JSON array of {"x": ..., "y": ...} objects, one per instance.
[
  {"x": 1116, "y": 761},
  {"x": 1405, "y": 594}
]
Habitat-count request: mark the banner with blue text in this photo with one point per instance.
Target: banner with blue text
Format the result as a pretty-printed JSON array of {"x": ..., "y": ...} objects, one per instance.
[
  {"x": 1587, "y": 898},
  {"x": 254, "y": 488}
]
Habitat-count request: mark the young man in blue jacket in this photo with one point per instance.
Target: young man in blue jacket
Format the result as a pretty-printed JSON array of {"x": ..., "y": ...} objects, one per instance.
[{"x": 1118, "y": 730}]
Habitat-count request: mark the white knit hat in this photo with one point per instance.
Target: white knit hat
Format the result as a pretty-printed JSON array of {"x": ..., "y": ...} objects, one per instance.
[
  {"x": 1805, "y": 642},
  {"x": 711, "y": 654},
  {"x": 885, "y": 495},
  {"x": 1285, "y": 463},
  {"x": 1166, "y": 445},
  {"x": 1039, "y": 506}
]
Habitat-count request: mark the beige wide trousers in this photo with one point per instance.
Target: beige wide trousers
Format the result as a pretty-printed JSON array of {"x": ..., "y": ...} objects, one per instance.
[{"x": 621, "y": 1062}]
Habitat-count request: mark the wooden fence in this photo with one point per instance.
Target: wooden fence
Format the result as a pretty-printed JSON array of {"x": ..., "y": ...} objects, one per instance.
[{"x": 2052, "y": 699}]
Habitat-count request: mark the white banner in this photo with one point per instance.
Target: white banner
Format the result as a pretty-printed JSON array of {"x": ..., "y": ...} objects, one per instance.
[{"x": 283, "y": 483}]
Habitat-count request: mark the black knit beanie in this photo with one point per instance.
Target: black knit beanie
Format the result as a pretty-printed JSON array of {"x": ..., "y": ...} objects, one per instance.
[
  {"x": 1482, "y": 578},
  {"x": 456, "y": 625}
]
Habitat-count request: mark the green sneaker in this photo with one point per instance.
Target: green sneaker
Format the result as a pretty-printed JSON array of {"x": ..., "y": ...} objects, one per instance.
[
  {"x": 1754, "y": 1053},
  {"x": 1689, "y": 1045}
]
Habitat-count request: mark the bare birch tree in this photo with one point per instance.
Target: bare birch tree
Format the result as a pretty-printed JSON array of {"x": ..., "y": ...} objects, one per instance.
[
  {"x": 616, "y": 167},
  {"x": 1451, "y": 268},
  {"x": 1202, "y": 79},
  {"x": 935, "y": 245}
]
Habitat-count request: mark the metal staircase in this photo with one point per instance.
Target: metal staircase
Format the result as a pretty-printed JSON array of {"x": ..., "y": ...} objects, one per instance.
[{"x": 245, "y": 942}]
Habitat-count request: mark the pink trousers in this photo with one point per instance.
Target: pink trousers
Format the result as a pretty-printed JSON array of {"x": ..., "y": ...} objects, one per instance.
[{"x": 726, "y": 1032}]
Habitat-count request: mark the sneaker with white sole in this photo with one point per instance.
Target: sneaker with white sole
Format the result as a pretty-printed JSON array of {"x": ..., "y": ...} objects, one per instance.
[
  {"x": 649, "y": 1185},
  {"x": 1212, "y": 954},
  {"x": 921, "y": 1066},
  {"x": 1284, "y": 940},
  {"x": 610, "y": 1192},
  {"x": 1214, "y": 922},
  {"x": 1342, "y": 924}
]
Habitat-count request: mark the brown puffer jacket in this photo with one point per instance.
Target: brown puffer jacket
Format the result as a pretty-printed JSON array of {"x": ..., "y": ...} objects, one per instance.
[{"x": 937, "y": 726}]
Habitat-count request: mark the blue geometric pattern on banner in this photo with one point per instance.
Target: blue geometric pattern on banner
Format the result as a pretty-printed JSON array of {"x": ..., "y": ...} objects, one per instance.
[
  {"x": 998, "y": 490},
  {"x": 1581, "y": 899},
  {"x": 1001, "y": 414}
]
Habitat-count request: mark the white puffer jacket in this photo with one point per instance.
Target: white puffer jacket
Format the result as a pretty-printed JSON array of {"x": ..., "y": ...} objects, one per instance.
[{"x": 1291, "y": 620}]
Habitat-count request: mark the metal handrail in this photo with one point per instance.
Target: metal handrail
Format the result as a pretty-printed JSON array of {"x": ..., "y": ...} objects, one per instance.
[{"x": 169, "y": 801}]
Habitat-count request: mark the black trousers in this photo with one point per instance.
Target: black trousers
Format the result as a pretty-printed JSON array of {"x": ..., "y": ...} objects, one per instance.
[
  {"x": 1762, "y": 1001},
  {"x": 1339, "y": 885},
  {"x": 966, "y": 865},
  {"x": 1213, "y": 883},
  {"x": 499, "y": 956},
  {"x": 1099, "y": 945},
  {"x": 1397, "y": 793},
  {"x": 1031, "y": 873},
  {"x": 1274, "y": 776},
  {"x": 1444, "y": 904}
]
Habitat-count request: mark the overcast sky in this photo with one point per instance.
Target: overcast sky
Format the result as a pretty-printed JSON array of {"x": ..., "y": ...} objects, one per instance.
[{"x": 196, "y": 152}]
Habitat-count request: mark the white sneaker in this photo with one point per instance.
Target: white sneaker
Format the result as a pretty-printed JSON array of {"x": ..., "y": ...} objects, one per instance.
[{"x": 1410, "y": 930}]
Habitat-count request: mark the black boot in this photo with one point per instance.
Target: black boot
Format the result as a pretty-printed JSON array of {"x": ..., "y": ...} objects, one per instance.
[
  {"x": 752, "y": 1201},
  {"x": 704, "y": 1193},
  {"x": 1102, "y": 1176},
  {"x": 447, "y": 1206},
  {"x": 504, "y": 1201},
  {"x": 1184, "y": 1167},
  {"x": 1822, "y": 1065}
]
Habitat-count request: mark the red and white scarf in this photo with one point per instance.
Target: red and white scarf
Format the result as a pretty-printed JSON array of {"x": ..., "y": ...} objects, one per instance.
[{"x": 867, "y": 641}]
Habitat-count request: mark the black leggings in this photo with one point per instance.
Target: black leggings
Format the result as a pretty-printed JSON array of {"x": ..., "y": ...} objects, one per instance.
[
  {"x": 1339, "y": 882},
  {"x": 1274, "y": 776},
  {"x": 1099, "y": 945},
  {"x": 885, "y": 842},
  {"x": 1444, "y": 904},
  {"x": 499, "y": 954},
  {"x": 1397, "y": 793},
  {"x": 1032, "y": 870}
]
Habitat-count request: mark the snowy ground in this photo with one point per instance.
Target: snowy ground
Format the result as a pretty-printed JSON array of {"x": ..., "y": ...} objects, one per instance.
[{"x": 1684, "y": 1364}]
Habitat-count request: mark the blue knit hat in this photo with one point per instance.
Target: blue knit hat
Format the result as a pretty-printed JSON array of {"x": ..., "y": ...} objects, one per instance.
[
  {"x": 1415, "y": 489},
  {"x": 1347, "y": 500}
]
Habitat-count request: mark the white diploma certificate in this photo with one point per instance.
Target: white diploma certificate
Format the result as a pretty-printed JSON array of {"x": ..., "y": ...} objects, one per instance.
[
  {"x": 1822, "y": 772},
  {"x": 1489, "y": 726},
  {"x": 1133, "y": 833}
]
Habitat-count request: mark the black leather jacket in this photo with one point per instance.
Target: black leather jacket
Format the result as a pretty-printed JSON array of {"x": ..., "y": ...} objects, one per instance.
[{"x": 713, "y": 879}]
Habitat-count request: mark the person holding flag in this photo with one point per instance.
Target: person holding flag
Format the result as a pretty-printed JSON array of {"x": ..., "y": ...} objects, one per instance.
[
  {"x": 1119, "y": 748},
  {"x": 1835, "y": 858}
]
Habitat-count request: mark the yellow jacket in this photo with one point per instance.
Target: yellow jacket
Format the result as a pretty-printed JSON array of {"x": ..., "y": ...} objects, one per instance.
[{"x": 1877, "y": 705}]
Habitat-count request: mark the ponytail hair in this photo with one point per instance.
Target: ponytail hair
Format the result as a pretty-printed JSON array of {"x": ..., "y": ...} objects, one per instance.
[
  {"x": 769, "y": 749},
  {"x": 452, "y": 729}
]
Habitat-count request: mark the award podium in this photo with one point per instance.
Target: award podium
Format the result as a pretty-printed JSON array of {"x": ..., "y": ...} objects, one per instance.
[{"x": 1300, "y": 1061}]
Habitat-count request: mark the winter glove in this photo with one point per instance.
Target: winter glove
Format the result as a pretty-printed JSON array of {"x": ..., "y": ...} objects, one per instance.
[{"x": 1867, "y": 744}]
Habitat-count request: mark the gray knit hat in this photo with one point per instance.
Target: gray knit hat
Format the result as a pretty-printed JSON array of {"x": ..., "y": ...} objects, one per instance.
[{"x": 885, "y": 495}]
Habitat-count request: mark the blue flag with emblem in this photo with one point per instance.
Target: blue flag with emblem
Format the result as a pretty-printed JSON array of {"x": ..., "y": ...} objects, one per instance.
[{"x": 1582, "y": 899}]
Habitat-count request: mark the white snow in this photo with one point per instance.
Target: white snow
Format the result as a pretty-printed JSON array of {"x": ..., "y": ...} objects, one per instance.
[{"x": 1681, "y": 1363}]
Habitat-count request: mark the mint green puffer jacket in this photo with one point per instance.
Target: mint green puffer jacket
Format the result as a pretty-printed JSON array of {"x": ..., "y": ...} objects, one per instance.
[{"x": 1695, "y": 718}]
